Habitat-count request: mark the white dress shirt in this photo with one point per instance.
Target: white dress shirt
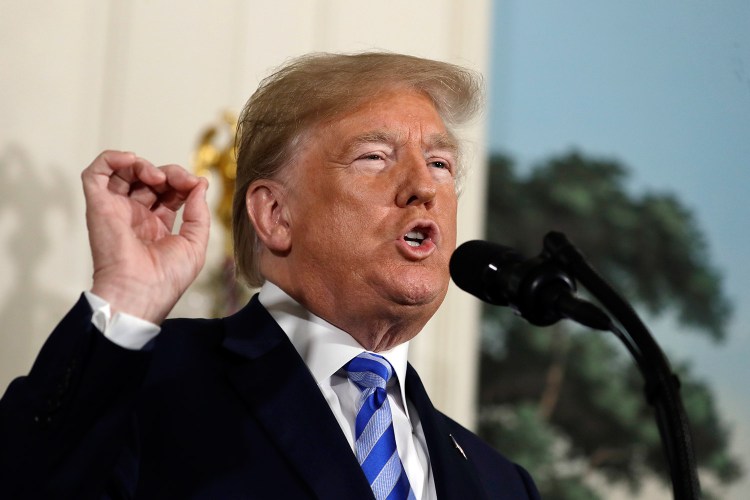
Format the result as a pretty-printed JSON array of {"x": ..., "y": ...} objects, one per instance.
[{"x": 325, "y": 349}]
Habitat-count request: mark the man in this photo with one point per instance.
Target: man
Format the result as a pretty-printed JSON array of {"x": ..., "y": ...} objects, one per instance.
[{"x": 345, "y": 213}]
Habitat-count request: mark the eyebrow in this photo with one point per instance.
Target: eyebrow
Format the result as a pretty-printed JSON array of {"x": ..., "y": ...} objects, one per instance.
[{"x": 443, "y": 141}]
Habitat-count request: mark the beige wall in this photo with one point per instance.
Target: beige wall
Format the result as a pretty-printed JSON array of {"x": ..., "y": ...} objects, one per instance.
[{"x": 148, "y": 75}]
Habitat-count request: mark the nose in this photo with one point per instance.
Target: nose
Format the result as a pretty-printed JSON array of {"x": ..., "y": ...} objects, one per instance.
[{"x": 416, "y": 183}]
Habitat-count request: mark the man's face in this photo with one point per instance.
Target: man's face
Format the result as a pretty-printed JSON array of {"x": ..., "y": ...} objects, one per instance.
[{"x": 372, "y": 204}]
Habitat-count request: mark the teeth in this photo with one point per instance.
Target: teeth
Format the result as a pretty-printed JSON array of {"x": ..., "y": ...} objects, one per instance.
[{"x": 414, "y": 238}]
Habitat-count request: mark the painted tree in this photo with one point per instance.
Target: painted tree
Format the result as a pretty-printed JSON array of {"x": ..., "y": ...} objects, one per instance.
[{"x": 566, "y": 402}]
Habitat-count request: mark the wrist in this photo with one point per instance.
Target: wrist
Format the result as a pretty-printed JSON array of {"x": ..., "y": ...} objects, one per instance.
[{"x": 138, "y": 299}]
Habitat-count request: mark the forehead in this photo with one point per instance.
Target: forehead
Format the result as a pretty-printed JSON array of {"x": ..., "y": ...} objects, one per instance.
[{"x": 391, "y": 114}]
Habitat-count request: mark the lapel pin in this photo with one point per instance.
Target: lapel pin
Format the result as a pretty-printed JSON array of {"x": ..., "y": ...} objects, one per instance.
[{"x": 458, "y": 447}]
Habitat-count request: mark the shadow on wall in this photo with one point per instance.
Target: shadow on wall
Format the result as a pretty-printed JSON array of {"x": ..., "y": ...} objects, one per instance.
[{"x": 35, "y": 203}]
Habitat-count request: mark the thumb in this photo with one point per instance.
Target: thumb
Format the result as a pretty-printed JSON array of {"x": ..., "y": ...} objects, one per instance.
[{"x": 196, "y": 219}]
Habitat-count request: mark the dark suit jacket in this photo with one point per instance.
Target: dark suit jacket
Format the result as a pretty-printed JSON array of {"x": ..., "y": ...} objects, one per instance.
[{"x": 219, "y": 409}]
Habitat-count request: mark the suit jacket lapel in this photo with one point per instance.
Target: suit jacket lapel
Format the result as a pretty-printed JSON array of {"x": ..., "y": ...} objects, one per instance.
[
  {"x": 454, "y": 473},
  {"x": 274, "y": 381}
]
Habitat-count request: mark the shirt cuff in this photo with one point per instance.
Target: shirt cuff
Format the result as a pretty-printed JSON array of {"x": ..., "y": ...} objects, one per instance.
[{"x": 123, "y": 329}]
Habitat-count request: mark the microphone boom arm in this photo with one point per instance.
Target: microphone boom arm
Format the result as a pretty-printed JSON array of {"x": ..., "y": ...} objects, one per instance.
[{"x": 662, "y": 385}]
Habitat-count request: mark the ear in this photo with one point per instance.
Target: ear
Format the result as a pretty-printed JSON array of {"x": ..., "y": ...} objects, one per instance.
[{"x": 266, "y": 208}]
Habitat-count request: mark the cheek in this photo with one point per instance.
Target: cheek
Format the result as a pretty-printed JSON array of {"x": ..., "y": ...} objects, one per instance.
[
  {"x": 362, "y": 207},
  {"x": 343, "y": 231},
  {"x": 448, "y": 218}
]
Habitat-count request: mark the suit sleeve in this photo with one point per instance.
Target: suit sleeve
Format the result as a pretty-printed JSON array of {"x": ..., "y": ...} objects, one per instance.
[{"x": 64, "y": 426}]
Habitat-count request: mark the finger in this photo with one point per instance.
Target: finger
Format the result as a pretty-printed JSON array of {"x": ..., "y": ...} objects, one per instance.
[
  {"x": 97, "y": 174},
  {"x": 147, "y": 195},
  {"x": 125, "y": 165},
  {"x": 196, "y": 218},
  {"x": 117, "y": 170},
  {"x": 145, "y": 183},
  {"x": 145, "y": 172},
  {"x": 110, "y": 160},
  {"x": 177, "y": 187},
  {"x": 143, "y": 194},
  {"x": 120, "y": 183},
  {"x": 179, "y": 179},
  {"x": 142, "y": 172}
]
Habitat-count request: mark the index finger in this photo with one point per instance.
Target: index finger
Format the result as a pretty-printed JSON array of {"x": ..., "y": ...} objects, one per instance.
[{"x": 122, "y": 167}]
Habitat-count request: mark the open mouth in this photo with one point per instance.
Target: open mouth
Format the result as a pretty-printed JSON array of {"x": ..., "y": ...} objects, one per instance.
[
  {"x": 415, "y": 237},
  {"x": 419, "y": 239}
]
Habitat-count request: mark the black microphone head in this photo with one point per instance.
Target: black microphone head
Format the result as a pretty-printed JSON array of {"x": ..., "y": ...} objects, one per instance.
[{"x": 474, "y": 267}]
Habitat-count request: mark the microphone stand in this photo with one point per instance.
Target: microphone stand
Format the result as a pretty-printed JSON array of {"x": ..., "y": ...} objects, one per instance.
[{"x": 661, "y": 384}]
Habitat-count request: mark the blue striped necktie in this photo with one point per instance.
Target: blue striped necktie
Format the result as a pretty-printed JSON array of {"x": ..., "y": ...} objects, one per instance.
[{"x": 375, "y": 444}]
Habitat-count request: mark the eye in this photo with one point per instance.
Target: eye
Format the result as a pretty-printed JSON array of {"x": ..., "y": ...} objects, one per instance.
[
  {"x": 372, "y": 156},
  {"x": 441, "y": 165},
  {"x": 371, "y": 161}
]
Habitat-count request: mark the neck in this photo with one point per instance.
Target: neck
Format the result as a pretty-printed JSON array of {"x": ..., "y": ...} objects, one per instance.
[
  {"x": 376, "y": 329},
  {"x": 379, "y": 335}
]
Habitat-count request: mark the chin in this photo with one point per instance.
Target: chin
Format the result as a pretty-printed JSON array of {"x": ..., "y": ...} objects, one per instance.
[{"x": 420, "y": 292}]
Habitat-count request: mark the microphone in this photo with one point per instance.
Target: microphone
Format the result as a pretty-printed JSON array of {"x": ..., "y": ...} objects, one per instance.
[{"x": 537, "y": 289}]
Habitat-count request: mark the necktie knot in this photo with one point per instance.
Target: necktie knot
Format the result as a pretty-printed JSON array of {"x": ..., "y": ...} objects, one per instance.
[{"x": 369, "y": 371}]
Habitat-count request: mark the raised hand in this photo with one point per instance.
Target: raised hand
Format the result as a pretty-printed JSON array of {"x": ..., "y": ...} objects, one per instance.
[{"x": 140, "y": 267}]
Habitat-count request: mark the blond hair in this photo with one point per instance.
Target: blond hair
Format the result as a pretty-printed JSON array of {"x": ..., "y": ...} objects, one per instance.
[{"x": 317, "y": 87}]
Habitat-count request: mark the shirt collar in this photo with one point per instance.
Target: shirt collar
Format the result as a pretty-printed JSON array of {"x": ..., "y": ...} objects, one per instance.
[{"x": 323, "y": 347}]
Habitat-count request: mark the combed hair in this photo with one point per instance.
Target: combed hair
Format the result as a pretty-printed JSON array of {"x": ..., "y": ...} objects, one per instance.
[{"x": 315, "y": 88}]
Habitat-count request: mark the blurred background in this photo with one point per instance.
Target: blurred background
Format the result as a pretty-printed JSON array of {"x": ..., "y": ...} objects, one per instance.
[{"x": 626, "y": 126}]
